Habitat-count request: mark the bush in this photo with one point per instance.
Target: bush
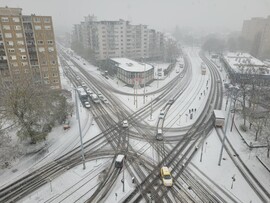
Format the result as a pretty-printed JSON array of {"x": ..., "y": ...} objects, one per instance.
[{"x": 243, "y": 128}]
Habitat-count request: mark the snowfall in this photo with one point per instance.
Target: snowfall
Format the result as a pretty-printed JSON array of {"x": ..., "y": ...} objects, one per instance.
[{"x": 77, "y": 184}]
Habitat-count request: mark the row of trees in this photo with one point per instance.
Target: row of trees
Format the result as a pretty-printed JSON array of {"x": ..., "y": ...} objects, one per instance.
[{"x": 251, "y": 100}]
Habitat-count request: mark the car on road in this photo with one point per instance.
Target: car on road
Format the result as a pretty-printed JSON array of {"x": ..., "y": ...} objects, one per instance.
[
  {"x": 159, "y": 135},
  {"x": 171, "y": 101},
  {"x": 84, "y": 84},
  {"x": 87, "y": 104},
  {"x": 161, "y": 114},
  {"x": 166, "y": 176},
  {"x": 89, "y": 92},
  {"x": 125, "y": 124},
  {"x": 105, "y": 101}
]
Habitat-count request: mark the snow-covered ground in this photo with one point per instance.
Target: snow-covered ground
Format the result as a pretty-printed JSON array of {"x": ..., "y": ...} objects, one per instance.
[{"x": 76, "y": 182}]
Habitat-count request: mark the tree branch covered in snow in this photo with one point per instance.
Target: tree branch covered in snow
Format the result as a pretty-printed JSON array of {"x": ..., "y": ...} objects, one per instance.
[{"x": 34, "y": 108}]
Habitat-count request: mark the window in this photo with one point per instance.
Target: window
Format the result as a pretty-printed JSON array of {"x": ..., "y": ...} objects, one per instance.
[
  {"x": 20, "y": 42},
  {"x": 47, "y": 27},
  {"x": 16, "y": 19},
  {"x": 50, "y": 42},
  {"x": 10, "y": 43},
  {"x": 55, "y": 81},
  {"x": 18, "y": 27},
  {"x": 8, "y": 35},
  {"x": 37, "y": 27},
  {"x": 13, "y": 57},
  {"x": 50, "y": 49},
  {"x": 36, "y": 19},
  {"x": 55, "y": 75},
  {"x": 22, "y": 50},
  {"x": 19, "y": 35},
  {"x": 24, "y": 63},
  {"x": 41, "y": 49},
  {"x": 14, "y": 64},
  {"x": 46, "y": 75},
  {"x": 40, "y": 41},
  {"x": 53, "y": 62},
  {"x": 47, "y": 20},
  {"x": 4, "y": 19},
  {"x": 44, "y": 62},
  {"x": 6, "y": 27},
  {"x": 11, "y": 50},
  {"x": 23, "y": 57}
]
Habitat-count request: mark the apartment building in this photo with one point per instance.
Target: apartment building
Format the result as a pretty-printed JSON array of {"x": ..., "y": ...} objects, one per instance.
[
  {"x": 27, "y": 48},
  {"x": 256, "y": 32},
  {"x": 117, "y": 39},
  {"x": 264, "y": 49}
]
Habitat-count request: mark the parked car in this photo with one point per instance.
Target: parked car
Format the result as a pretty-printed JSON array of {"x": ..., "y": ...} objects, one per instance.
[
  {"x": 66, "y": 125},
  {"x": 89, "y": 92},
  {"x": 87, "y": 104}
]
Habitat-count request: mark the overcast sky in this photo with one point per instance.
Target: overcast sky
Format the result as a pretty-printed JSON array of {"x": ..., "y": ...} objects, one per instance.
[{"x": 158, "y": 14}]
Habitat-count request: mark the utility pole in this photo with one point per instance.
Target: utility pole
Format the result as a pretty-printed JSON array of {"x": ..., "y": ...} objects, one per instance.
[
  {"x": 202, "y": 146},
  {"x": 80, "y": 130},
  {"x": 151, "y": 112},
  {"x": 123, "y": 180},
  {"x": 144, "y": 85}
]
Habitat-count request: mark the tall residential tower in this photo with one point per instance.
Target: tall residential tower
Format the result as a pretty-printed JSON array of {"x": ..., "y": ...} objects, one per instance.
[{"x": 27, "y": 48}]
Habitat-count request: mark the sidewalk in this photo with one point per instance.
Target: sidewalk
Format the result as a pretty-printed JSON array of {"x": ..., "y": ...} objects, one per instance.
[{"x": 251, "y": 144}]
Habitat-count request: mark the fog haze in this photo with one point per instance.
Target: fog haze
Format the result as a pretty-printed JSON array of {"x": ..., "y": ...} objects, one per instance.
[{"x": 212, "y": 15}]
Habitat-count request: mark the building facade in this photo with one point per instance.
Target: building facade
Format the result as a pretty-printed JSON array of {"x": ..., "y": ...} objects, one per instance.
[
  {"x": 256, "y": 32},
  {"x": 27, "y": 48},
  {"x": 112, "y": 39}
]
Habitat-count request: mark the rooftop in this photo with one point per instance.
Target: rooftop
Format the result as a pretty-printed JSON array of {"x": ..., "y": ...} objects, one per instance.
[
  {"x": 132, "y": 66},
  {"x": 246, "y": 64}
]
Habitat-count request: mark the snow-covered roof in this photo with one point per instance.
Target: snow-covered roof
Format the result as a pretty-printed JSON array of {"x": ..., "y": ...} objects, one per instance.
[
  {"x": 219, "y": 114},
  {"x": 246, "y": 64},
  {"x": 132, "y": 66},
  {"x": 119, "y": 158}
]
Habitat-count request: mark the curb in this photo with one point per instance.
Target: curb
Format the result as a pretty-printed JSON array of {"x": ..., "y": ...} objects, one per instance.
[{"x": 268, "y": 169}]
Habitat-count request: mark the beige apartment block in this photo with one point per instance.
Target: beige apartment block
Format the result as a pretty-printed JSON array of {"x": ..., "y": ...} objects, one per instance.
[
  {"x": 27, "y": 48},
  {"x": 117, "y": 39},
  {"x": 257, "y": 33}
]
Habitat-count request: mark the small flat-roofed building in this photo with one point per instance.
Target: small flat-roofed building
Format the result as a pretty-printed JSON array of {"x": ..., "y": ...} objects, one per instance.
[
  {"x": 132, "y": 72},
  {"x": 244, "y": 67}
]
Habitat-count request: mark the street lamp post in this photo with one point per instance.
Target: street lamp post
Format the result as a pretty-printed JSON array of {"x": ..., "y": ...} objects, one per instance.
[
  {"x": 233, "y": 180},
  {"x": 80, "y": 130},
  {"x": 144, "y": 85},
  {"x": 225, "y": 132},
  {"x": 179, "y": 119}
]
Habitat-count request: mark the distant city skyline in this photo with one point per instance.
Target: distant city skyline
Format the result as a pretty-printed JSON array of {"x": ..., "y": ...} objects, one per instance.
[{"x": 208, "y": 15}]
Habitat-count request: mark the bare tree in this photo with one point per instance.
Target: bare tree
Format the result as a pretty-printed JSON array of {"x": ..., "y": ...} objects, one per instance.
[{"x": 33, "y": 108}]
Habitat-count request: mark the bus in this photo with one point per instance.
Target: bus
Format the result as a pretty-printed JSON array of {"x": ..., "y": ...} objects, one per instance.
[
  {"x": 219, "y": 118},
  {"x": 82, "y": 94},
  {"x": 203, "y": 68},
  {"x": 119, "y": 161}
]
